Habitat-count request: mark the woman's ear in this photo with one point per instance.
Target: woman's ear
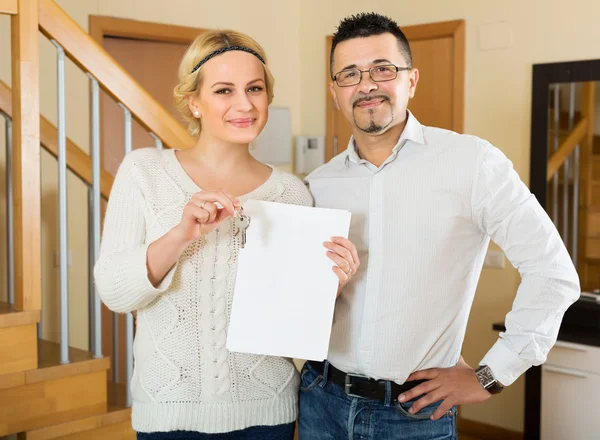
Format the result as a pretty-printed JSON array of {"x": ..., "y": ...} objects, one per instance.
[{"x": 194, "y": 106}]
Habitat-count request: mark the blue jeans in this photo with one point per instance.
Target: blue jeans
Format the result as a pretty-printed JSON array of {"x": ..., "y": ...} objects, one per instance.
[
  {"x": 279, "y": 432},
  {"x": 327, "y": 413}
]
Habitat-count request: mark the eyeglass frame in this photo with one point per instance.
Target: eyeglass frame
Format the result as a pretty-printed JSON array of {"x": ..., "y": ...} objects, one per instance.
[{"x": 398, "y": 69}]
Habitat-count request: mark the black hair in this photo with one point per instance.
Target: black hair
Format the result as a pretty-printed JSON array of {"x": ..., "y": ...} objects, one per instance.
[{"x": 365, "y": 25}]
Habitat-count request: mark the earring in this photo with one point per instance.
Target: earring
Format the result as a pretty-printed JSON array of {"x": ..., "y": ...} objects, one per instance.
[{"x": 196, "y": 113}]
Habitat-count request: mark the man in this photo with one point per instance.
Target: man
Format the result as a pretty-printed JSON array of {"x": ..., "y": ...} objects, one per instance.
[{"x": 425, "y": 203}]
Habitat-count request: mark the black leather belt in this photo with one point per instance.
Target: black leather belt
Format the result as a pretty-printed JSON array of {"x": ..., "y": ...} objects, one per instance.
[{"x": 361, "y": 386}]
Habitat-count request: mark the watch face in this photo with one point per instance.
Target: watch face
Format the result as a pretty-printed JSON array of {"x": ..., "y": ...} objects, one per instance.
[{"x": 485, "y": 377}]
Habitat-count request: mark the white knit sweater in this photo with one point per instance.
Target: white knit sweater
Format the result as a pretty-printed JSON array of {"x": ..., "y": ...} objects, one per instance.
[{"x": 184, "y": 378}]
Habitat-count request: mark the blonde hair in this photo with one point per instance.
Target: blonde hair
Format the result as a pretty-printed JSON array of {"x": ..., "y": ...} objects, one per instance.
[{"x": 190, "y": 83}]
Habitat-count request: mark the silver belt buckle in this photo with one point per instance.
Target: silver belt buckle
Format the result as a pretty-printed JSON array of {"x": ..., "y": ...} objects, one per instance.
[{"x": 348, "y": 385}]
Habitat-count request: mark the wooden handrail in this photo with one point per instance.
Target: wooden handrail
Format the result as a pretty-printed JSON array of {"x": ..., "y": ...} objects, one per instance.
[
  {"x": 77, "y": 160},
  {"x": 81, "y": 48},
  {"x": 8, "y": 7},
  {"x": 567, "y": 147}
]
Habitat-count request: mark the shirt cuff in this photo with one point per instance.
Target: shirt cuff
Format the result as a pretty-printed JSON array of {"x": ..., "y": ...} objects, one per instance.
[{"x": 506, "y": 365}]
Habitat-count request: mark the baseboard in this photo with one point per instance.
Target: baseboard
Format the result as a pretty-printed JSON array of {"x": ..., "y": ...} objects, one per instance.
[{"x": 486, "y": 432}]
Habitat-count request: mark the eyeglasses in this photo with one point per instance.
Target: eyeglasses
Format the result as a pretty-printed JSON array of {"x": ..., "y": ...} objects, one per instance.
[{"x": 352, "y": 77}]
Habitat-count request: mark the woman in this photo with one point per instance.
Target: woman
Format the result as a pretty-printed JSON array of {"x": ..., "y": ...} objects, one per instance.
[{"x": 169, "y": 252}]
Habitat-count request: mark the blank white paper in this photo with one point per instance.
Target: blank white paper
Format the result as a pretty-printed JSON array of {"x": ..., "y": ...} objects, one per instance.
[{"x": 285, "y": 290}]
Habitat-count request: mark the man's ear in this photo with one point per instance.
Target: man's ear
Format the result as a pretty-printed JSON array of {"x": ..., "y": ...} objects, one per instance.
[
  {"x": 333, "y": 95},
  {"x": 413, "y": 80}
]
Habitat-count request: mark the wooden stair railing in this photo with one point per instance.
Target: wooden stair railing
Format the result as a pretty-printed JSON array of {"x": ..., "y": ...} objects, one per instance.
[
  {"x": 566, "y": 148},
  {"x": 8, "y": 7},
  {"x": 590, "y": 192},
  {"x": 81, "y": 48},
  {"x": 77, "y": 160},
  {"x": 588, "y": 203},
  {"x": 35, "y": 398}
]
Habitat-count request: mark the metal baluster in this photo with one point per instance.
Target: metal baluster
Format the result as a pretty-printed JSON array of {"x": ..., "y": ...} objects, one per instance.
[
  {"x": 576, "y": 158},
  {"x": 95, "y": 215},
  {"x": 62, "y": 207},
  {"x": 566, "y": 168},
  {"x": 556, "y": 145},
  {"x": 10, "y": 244},
  {"x": 157, "y": 142}
]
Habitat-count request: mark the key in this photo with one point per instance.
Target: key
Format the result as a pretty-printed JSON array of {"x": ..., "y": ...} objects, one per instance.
[
  {"x": 241, "y": 224},
  {"x": 236, "y": 219}
]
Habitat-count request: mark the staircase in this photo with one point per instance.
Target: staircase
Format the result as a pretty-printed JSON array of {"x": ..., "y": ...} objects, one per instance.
[
  {"x": 114, "y": 422},
  {"x": 591, "y": 273},
  {"x": 50, "y": 390},
  {"x": 574, "y": 177}
]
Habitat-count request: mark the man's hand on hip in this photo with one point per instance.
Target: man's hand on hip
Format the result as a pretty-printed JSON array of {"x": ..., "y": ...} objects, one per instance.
[{"x": 455, "y": 386}]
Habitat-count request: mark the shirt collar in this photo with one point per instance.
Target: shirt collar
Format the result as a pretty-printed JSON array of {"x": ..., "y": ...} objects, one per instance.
[{"x": 413, "y": 131}]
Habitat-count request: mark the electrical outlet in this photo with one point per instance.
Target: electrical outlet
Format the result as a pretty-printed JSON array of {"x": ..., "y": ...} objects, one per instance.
[{"x": 494, "y": 258}]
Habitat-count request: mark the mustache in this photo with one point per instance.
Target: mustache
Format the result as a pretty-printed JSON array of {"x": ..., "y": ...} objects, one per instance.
[{"x": 370, "y": 98}]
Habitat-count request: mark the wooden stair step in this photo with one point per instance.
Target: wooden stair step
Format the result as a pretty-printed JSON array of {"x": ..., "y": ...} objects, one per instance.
[
  {"x": 114, "y": 424},
  {"x": 10, "y": 317},
  {"x": 53, "y": 393},
  {"x": 111, "y": 425},
  {"x": 18, "y": 339}
]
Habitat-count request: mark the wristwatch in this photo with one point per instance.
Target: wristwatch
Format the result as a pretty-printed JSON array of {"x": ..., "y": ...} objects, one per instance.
[{"x": 487, "y": 380}]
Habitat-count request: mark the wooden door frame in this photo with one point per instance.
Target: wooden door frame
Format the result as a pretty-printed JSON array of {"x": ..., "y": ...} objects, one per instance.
[
  {"x": 101, "y": 26},
  {"x": 9, "y": 7},
  {"x": 454, "y": 29}
]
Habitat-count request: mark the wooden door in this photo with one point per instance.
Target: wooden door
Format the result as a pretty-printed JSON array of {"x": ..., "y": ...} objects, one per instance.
[{"x": 438, "y": 53}]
